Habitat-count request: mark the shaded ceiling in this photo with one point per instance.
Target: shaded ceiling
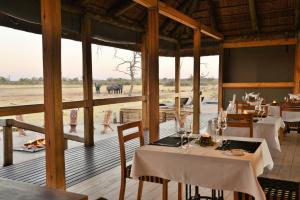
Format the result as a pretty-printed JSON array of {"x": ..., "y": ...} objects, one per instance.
[{"x": 121, "y": 23}]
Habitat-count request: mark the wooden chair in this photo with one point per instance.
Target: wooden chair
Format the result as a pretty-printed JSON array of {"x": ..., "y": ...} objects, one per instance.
[
  {"x": 107, "y": 121},
  {"x": 126, "y": 170},
  {"x": 73, "y": 120},
  {"x": 241, "y": 120},
  {"x": 20, "y": 130},
  {"x": 291, "y": 107},
  {"x": 274, "y": 189}
]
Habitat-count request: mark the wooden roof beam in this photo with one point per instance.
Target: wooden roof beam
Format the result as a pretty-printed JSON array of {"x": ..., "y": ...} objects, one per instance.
[
  {"x": 297, "y": 15},
  {"x": 180, "y": 17},
  {"x": 253, "y": 15},
  {"x": 259, "y": 43},
  {"x": 123, "y": 7}
]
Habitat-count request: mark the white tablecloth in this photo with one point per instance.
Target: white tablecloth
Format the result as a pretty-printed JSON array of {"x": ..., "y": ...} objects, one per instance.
[
  {"x": 205, "y": 166},
  {"x": 287, "y": 116},
  {"x": 267, "y": 128}
]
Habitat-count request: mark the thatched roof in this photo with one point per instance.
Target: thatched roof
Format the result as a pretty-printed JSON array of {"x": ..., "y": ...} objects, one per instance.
[{"x": 121, "y": 23}]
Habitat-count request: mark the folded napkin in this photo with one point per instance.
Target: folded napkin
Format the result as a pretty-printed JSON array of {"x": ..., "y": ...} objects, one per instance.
[{"x": 250, "y": 147}]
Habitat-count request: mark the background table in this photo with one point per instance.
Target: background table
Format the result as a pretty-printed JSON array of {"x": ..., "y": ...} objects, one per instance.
[
  {"x": 22, "y": 191},
  {"x": 268, "y": 128},
  {"x": 286, "y": 115},
  {"x": 205, "y": 166}
]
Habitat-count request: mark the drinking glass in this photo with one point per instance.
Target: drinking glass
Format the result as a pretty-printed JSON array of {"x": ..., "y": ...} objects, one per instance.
[
  {"x": 181, "y": 133},
  {"x": 189, "y": 133},
  {"x": 223, "y": 125},
  {"x": 262, "y": 111},
  {"x": 215, "y": 129}
]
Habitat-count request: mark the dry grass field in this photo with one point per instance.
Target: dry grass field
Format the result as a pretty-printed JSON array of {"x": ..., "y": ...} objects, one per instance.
[{"x": 12, "y": 95}]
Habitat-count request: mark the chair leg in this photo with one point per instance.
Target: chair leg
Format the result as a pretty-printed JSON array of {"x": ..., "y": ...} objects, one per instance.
[
  {"x": 122, "y": 189},
  {"x": 179, "y": 191},
  {"x": 140, "y": 190},
  {"x": 165, "y": 190}
]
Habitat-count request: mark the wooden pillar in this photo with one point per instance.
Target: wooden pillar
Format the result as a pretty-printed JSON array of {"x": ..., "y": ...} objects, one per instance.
[
  {"x": 87, "y": 81},
  {"x": 153, "y": 74},
  {"x": 220, "y": 84},
  {"x": 177, "y": 78},
  {"x": 7, "y": 145},
  {"x": 297, "y": 66},
  {"x": 145, "y": 70},
  {"x": 196, "y": 82},
  {"x": 51, "y": 29}
]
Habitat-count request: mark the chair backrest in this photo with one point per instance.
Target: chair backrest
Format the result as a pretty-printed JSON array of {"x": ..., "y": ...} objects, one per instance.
[
  {"x": 241, "y": 106},
  {"x": 289, "y": 106},
  {"x": 107, "y": 117},
  {"x": 125, "y": 138},
  {"x": 241, "y": 120}
]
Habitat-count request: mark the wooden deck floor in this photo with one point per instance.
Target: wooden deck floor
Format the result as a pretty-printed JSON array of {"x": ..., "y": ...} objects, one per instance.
[{"x": 287, "y": 167}]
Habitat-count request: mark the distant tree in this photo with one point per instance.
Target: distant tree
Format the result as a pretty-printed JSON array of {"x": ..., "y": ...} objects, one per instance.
[{"x": 129, "y": 66}]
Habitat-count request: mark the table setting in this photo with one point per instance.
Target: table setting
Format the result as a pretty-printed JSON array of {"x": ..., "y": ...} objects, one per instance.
[{"x": 212, "y": 161}]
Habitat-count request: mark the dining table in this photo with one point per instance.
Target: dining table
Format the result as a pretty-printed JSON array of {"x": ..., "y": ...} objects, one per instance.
[
  {"x": 287, "y": 116},
  {"x": 206, "y": 166},
  {"x": 267, "y": 128}
]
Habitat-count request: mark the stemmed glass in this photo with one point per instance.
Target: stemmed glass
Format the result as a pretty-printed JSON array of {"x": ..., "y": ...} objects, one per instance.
[
  {"x": 181, "y": 132},
  {"x": 216, "y": 129},
  {"x": 262, "y": 111},
  {"x": 189, "y": 133},
  {"x": 222, "y": 123}
]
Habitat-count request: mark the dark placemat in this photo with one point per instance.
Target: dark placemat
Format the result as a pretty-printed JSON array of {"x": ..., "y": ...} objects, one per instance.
[
  {"x": 170, "y": 141},
  {"x": 250, "y": 147}
]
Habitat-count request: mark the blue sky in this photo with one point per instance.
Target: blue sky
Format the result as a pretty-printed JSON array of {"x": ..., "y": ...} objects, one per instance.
[{"x": 21, "y": 56}]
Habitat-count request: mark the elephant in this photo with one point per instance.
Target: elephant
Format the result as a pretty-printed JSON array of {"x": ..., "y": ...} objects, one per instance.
[
  {"x": 114, "y": 89},
  {"x": 97, "y": 86}
]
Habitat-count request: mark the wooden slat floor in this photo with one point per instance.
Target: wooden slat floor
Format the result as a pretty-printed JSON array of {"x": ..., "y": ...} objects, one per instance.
[{"x": 287, "y": 167}]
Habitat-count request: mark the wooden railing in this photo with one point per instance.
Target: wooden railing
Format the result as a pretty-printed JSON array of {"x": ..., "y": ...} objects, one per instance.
[{"x": 8, "y": 125}]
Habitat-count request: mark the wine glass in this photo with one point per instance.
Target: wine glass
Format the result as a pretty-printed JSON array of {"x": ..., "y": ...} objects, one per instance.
[
  {"x": 215, "y": 129},
  {"x": 188, "y": 132},
  {"x": 181, "y": 133},
  {"x": 223, "y": 125},
  {"x": 262, "y": 111}
]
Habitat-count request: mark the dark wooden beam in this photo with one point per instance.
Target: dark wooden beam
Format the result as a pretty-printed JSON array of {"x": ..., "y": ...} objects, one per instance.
[
  {"x": 196, "y": 82},
  {"x": 51, "y": 29},
  {"x": 212, "y": 14},
  {"x": 297, "y": 14},
  {"x": 257, "y": 43},
  {"x": 183, "y": 6},
  {"x": 180, "y": 29},
  {"x": 87, "y": 81},
  {"x": 121, "y": 7},
  {"x": 253, "y": 15},
  {"x": 153, "y": 73}
]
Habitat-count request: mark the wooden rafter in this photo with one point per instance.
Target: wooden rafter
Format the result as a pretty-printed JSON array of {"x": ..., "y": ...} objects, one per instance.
[
  {"x": 112, "y": 21},
  {"x": 212, "y": 14},
  {"x": 122, "y": 7},
  {"x": 183, "y": 6},
  {"x": 253, "y": 15},
  {"x": 181, "y": 18},
  {"x": 297, "y": 15},
  {"x": 257, "y": 43}
]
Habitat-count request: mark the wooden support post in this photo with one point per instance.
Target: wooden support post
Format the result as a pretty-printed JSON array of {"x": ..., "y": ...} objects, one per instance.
[
  {"x": 220, "y": 84},
  {"x": 145, "y": 70},
  {"x": 153, "y": 74},
  {"x": 297, "y": 66},
  {"x": 177, "y": 79},
  {"x": 7, "y": 146},
  {"x": 87, "y": 81},
  {"x": 51, "y": 29},
  {"x": 196, "y": 82}
]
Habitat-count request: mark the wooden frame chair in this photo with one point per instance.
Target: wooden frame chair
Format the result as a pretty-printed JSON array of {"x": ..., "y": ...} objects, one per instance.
[
  {"x": 126, "y": 170},
  {"x": 291, "y": 107},
  {"x": 107, "y": 121},
  {"x": 241, "y": 120}
]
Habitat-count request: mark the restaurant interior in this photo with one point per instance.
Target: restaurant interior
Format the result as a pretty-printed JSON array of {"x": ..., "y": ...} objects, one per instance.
[{"x": 249, "y": 150}]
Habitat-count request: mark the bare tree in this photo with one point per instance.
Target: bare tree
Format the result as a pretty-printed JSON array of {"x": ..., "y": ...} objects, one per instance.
[{"x": 129, "y": 66}]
